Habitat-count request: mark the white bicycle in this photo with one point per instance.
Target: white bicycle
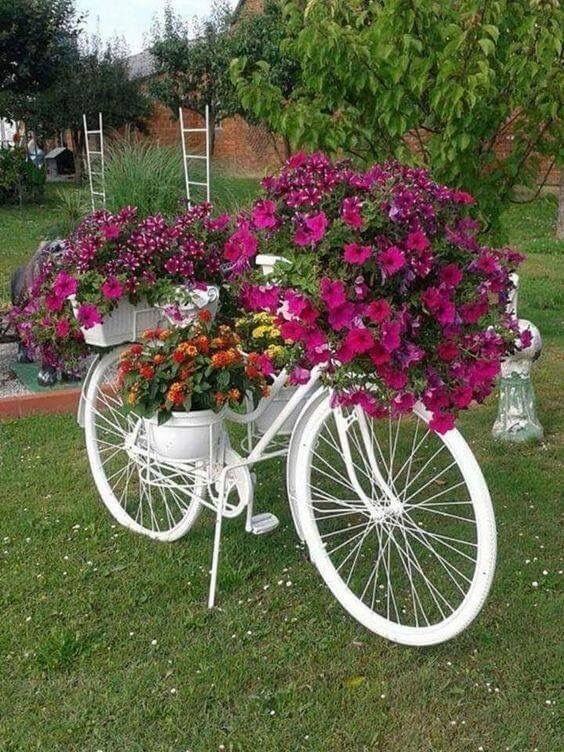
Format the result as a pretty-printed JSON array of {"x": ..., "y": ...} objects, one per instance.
[{"x": 397, "y": 519}]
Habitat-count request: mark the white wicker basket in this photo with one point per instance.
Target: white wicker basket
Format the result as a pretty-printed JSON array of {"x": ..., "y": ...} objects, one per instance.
[{"x": 125, "y": 323}]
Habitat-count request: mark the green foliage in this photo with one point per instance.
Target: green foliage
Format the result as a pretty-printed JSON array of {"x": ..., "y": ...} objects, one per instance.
[
  {"x": 35, "y": 40},
  {"x": 151, "y": 177},
  {"x": 142, "y": 174},
  {"x": 436, "y": 83},
  {"x": 193, "y": 62},
  {"x": 73, "y": 206},
  {"x": 95, "y": 80},
  {"x": 20, "y": 180}
]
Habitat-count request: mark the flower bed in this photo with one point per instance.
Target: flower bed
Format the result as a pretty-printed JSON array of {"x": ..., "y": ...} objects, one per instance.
[{"x": 388, "y": 285}]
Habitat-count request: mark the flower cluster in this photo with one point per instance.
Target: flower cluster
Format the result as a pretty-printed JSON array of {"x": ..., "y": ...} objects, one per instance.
[
  {"x": 200, "y": 367},
  {"x": 111, "y": 256},
  {"x": 259, "y": 332},
  {"x": 45, "y": 322},
  {"x": 388, "y": 288}
]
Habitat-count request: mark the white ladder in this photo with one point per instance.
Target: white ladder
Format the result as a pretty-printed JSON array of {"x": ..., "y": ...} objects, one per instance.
[
  {"x": 96, "y": 178},
  {"x": 187, "y": 157}
]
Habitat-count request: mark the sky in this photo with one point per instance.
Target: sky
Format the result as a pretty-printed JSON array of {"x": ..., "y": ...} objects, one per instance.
[{"x": 132, "y": 19}]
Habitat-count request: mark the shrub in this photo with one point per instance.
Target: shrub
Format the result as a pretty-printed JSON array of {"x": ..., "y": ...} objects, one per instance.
[
  {"x": 20, "y": 180},
  {"x": 388, "y": 286}
]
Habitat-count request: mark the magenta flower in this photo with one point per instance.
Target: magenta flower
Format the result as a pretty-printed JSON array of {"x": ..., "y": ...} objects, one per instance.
[
  {"x": 333, "y": 292},
  {"x": 260, "y": 297},
  {"x": 112, "y": 289},
  {"x": 391, "y": 260},
  {"x": 64, "y": 285},
  {"x": 402, "y": 404},
  {"x": 391, "y": 339},
  {"x": 264, "y": 215},
  {"x": 417, "y": 241},
  {"x": 54, "y": 302},
  {"x": 299, "y": 376},
  {"x": 62, "y": 328},
  {"x": 379, "y": 355},
  {"x": 357, "y": 254},
  {"x": 297, "y": 160},
  {"x": 241, "y": 246},
  {"x": 378, "y": 311},
  {"x": 447, "y": 351},
  {"x": 359, "y": 341},
  {"x": 351, "y": 212},
  {"x": 341, "y": 317},
  {"x": 441, "y": 422},
  {"x": 88, "y": 316},
  {"x": 111, "y": 231},
  {"x": 312, "y": 230},
  {"x": 451, "y": 275},
  {"x": 462, "y": 397}
]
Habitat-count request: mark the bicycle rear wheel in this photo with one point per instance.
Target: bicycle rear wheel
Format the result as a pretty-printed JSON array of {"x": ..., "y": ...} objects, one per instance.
[{"x": 409, "y": 547}]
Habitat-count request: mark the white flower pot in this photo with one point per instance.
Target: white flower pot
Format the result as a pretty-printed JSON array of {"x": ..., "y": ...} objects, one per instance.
[
  {"x": 267, "y": 262},
  {"x": 186, "y": 436},
  {"x": 125, "y": 323},
  {"x": 183, "y": 314},
  {"x": 273, "y": 408}
]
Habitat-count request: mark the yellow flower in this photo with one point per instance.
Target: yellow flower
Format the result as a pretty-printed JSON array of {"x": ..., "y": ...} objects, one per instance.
[{"x": 261, "y": 331}]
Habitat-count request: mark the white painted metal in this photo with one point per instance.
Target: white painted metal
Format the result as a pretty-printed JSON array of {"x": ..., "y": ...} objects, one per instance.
[
  {"x": 187, "y": 157},
  {"x": 383, "y": 480},
  {"x": 376, "y": 531},
  {"x": 97, "y": 188}
]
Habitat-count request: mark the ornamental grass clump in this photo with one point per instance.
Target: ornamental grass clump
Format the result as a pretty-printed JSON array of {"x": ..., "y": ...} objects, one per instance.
[
  {"x": 199, "y": 367},
  {"x": 389, "y": 287}
]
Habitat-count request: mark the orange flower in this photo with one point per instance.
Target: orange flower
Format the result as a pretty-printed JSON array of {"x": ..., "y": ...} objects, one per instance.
[
  {"x": 132, "y": 397},
  {"x": 183, "y": 351},
  {"x": 158, "y": 359},
  {"x": 147, "y": 371},
  {"x": 225, "y": 358},
  {"x": 176, "y": 394},
  {"x": 186, "y": 372},
  {"x": 252, "y": 372},
  {"x": 265, "y": 391},
  {"x": 204, "y": 315},
  {"x": 136, "y": 349},
  {"x": 218, "y": 343},
  {"x": 164, "y": 334},
  {"x": 234, "y": 395},
  {"x": 202, "y": 343},
  {"x": 220, "y": 398}
]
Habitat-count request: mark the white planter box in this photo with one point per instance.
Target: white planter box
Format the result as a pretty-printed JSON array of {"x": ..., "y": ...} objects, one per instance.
[
  {"x": 125, "y": 323},
  {"x": 267, "y": 262},
  {"x": 186, "y": 436},
  {"x": 274, "y": 406},
  {"x": 183, "y": 315}
]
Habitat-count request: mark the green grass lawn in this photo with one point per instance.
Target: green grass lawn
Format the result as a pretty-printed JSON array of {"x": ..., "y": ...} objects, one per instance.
[{"x": 106, "y": 642}]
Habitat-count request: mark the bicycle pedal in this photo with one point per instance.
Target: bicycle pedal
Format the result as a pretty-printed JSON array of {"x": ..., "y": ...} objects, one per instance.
[{"x": 262, "y": 524}]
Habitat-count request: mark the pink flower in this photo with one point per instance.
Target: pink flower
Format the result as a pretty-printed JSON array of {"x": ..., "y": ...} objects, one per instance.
[
  {"x": 447, "y": 351},
  {"x": 351, "y": 212},
  {"x": 402, "y": 404},
  {"x": 64, "y": 285},
  {"x": 451, "y": 275},
  {"x": 471, "y": 313},
  {"x": 357, "y": 254},
  {"x": 417, "y": 241},
  {"x": 378, "y": 311},
  {"x": 112, "y": 289},
  {"x": 88, "y": 316},
  {"x": 393, "y": 378},
  {"x": 359, "y": 341},
  {"x": 391, "y": 339},
  {"x": 312, "y": 230},
  {"x": 341, "y": 317},
  {"x": 54, "y": 302},
  {"x": 441, "y": 422},
  {"x": 296, "y": 305},
  {"x": 299, "y": 376},
  {"x": 241, "y": 246},
  {"x": 62, "y": 328},
  {"x": 291, "y": 331},
  {"x": 379, "y": 355},
  {"x": 111, "y": 231},
  {"x": 332, "y": 292},
  {"x": 297, "y": 160},
  {"x": 219, "y": 223},
  {"x": 391, "y": 260},
  {"x": 260, "y": 297},
  {"x": 439, "y": 305},
  {"x": 462, "y": 397},
  {"x": 461, "y": 197},
  {"x": 264, "y": 215}
]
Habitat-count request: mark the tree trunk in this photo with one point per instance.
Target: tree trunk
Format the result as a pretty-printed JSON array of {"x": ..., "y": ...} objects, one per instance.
[
  {"x": 287, "y": 148},
  {"x": 560, "y": 221},
  {"x": 78, "y": 145}
]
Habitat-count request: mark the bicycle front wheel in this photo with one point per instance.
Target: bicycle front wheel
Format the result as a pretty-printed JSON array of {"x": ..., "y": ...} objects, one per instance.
[
  {"x": 161, "y": 500},
  {"x": 399, "y": 522}
]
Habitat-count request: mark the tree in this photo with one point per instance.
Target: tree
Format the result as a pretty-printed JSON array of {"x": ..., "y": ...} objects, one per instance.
[
  {"x": 94, "y": 80},
  {"x": 36, "y": 38},
  {"x": 193, "y": 63},
  {"x": 259, "y": 38},
  {"x": 442, "y": 84}
]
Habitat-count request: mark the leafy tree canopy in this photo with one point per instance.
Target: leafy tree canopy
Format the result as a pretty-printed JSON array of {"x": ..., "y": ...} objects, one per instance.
[
  {"x": 36, "y": 37},
  {"x": 437, "y": 83}
]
